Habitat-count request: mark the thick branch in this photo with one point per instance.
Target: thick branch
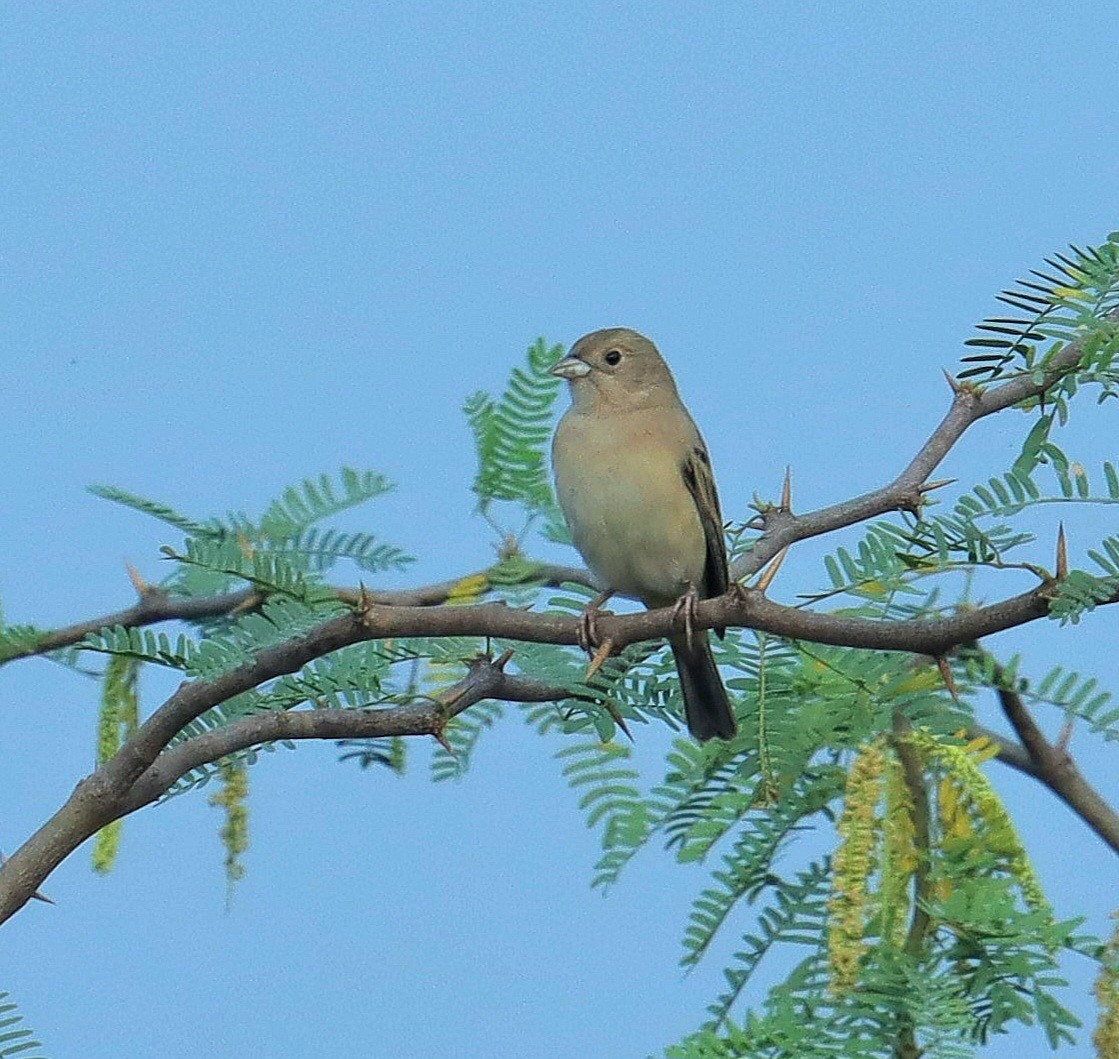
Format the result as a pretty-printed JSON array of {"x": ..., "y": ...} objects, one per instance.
[
  {"x": 103, "y": 796},
  {"x": 1055, "y": 767},
  {"x": 109, "y": 793},
  {"x": 134, "y": 776},
  {"x": 782, "y": 527}
]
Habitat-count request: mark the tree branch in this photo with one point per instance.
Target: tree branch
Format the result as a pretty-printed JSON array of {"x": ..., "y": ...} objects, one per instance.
[
  {"x": 103, "y": 796},
  {"x": 1033, "y": 755},
  {"x": 905, "y": 493},
  {"x": 782, "y": 527},
  {"x": 1055, "y": 767},
  {"x": 421, "y": 717},
  {"x": 115, "y": 789},
  {"x": 156, "y": 605},
  {"x": 144, "y": 768}
]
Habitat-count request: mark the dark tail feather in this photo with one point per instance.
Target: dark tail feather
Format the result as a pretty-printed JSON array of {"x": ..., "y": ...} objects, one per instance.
[{"x": 706, "y": 705}]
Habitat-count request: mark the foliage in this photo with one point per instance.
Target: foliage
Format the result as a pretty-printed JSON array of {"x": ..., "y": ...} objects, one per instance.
[
  {"x": 850, "y": 824},
  {"x": 511, "y": 433},
  {"x": 15, "y": 1039}
]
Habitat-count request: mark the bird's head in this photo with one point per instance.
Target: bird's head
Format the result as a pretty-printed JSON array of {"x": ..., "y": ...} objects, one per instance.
[{"x": 616, "y": 367}]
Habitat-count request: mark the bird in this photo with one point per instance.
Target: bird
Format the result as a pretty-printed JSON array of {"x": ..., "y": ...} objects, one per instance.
[{"x": 634, "y": 481}]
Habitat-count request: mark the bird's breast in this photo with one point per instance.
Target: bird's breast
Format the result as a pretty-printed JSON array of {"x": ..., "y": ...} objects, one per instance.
[{"x": 631, "y": 516}]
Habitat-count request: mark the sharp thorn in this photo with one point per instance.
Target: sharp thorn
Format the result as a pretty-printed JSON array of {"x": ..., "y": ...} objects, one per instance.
[
  {"x": 940, "y": 483},
  {"x": 956, "y": 387},
  {"x": 503, "y": 659},
  {"x": 787, "y": 490},
  {"x": 601, "y": 654},
  {"x": 442, "y": 740},
  {"x": 1064, "y": 737},
  {"x": 945, "y": 668},
  {"x": 142, "y": 587},
  {"x": 770, "y": 572},
  {"x": 36, "y": 895},
  {"x": 250, "y": 602},
  {"x": 619, "y": 720},
  {"x": 1062, "y": 553}
]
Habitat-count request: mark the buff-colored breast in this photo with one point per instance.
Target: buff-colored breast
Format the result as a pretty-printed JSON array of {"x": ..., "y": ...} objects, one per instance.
[{"x": 623, "y": 494}]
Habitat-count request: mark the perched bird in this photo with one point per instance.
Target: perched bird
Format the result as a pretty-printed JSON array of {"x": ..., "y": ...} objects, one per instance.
[{"x": 634, "y": 480}]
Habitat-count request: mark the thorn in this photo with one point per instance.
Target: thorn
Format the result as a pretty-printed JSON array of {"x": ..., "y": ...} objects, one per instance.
[
  {"x": 441, "y": 739},
  {"x": 770, "y": 572},
  {"x": 36, "y": 895},
  {"x": 957, "y": 387},
  {"x": 739, "y": 592},
  {"x": 600, "y": 656},
  {"x": 787, "y": 490},
  {"x": 143, "y": 588},
  {"x": 363, "y": 605},
  {"x": 945, "y": 668},
  {"x": 619, "y": 720},
  {"x": 250, "y": 602},
  {"x": 503, "y": 659},
  {"x": 1062, "y": 553},
  {"x": 1064, "y": 737},
  {"x": 940, "y": 483}
]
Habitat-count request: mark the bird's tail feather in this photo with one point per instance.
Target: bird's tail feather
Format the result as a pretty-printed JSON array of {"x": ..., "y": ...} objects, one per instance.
[{"x": 706, "y": 706}]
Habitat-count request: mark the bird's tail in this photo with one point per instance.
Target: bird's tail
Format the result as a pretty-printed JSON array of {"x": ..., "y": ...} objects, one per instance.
[{"x": 706, "y": 706}]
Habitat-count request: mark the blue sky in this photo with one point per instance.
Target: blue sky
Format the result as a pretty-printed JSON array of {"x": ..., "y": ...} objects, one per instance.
[{"x": 242, "y": 244}]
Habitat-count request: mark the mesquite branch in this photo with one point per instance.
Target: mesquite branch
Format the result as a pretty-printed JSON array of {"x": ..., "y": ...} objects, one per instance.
[{"x": 145, "y": 767}]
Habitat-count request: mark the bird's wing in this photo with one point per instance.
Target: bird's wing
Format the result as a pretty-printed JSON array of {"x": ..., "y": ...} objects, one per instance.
[{"x": 701, "y": 484}]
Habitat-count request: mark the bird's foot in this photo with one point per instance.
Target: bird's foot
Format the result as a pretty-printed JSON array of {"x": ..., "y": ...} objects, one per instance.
[
  {"x": 685, "y": 611},
  {"x": 586, "y": 633},
  {"x": 739, "y": 592}
]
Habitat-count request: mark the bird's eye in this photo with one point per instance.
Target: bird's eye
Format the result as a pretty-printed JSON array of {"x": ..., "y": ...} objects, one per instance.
[{"x": 613, "y": 357}]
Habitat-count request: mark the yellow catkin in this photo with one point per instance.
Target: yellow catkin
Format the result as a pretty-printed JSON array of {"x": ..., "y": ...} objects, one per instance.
[
  {"x": 978, "y": 795},
  {"x": 1106, "y": 1036},
  {"x": 468, "y": 589},
  {"x": 234, "y": 799},
  {"x": 851, "y": 902},
  {"x": 120, "y": 708},
  {"x": 899, "y": 855}
]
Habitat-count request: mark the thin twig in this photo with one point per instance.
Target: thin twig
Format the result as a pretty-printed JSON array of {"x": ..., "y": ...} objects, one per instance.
[{"x": 156, "y": 605}]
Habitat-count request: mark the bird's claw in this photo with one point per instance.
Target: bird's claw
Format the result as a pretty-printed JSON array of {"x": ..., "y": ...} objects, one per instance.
[
  {"x": 586, "y": 633},
  {"x": 685, "y": 611}
]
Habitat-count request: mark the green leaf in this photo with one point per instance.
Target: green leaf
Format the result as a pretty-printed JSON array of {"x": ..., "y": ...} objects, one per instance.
[{"x": 511, "y": 434}]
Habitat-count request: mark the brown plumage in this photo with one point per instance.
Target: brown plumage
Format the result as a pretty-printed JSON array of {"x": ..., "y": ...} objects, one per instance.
[{"x": 634, "y": 480}]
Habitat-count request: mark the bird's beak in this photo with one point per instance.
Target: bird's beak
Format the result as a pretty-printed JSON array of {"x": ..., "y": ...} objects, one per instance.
[{"x": 570, "y": 368}]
